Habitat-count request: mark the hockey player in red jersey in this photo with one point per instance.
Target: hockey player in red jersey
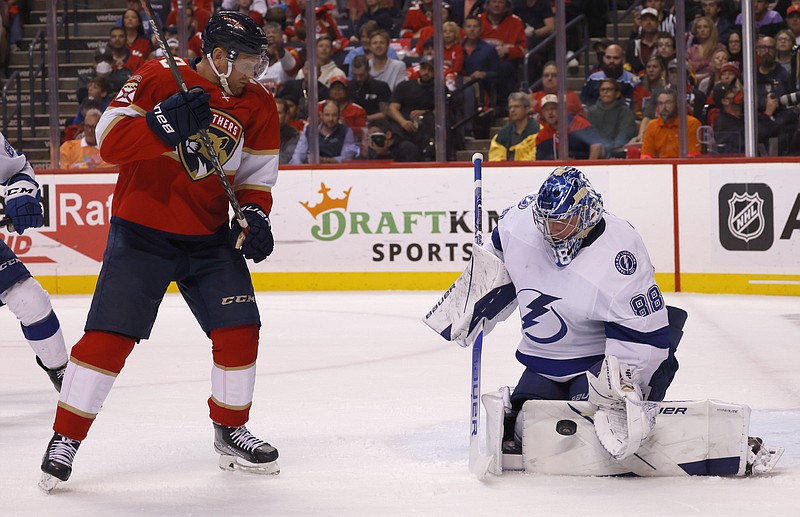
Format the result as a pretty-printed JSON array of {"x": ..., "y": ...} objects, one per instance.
[{"x": 170, "y": 223}]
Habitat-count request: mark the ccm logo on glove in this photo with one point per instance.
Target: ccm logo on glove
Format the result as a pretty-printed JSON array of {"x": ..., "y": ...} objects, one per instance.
[{"x": 23, "y": 204}]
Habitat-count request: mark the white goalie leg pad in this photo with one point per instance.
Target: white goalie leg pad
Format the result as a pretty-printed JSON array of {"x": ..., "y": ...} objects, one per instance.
[
  {"x": 30, "y": 303},
  {"x": 705, "y": 437},
  {"x": 452, "y": 316},
  {"x": 496, "y": 405}
]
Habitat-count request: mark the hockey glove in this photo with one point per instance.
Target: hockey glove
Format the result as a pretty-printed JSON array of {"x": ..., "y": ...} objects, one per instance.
[
  {"x": 258, "y": 242},
  {"x": 23, "y": 205},
  {"x": 180, "y": 116}
]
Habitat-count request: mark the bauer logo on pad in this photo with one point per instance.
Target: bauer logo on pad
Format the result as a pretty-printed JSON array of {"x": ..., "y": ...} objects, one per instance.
[{"x": 746, "y": 217}]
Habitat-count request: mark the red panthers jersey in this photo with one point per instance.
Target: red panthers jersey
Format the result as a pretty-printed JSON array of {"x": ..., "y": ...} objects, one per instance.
[{"x": 176, "y": 190}]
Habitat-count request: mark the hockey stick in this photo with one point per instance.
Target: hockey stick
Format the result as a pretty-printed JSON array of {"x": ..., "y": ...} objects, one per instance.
[
  {"x": 478, "y": 465},
  {"x": 204, "y": 138}
]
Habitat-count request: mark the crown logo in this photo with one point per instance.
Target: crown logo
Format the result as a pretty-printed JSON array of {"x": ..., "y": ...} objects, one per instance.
[{"x": 327, "y": 203}]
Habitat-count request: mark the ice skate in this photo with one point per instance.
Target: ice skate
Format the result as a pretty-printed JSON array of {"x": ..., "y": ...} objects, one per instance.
[
  {"x": 240, "y": 450},
  {"x": 57, "y": 461},
  {"x": 56, "y": 374},
  {"x": 761, "y": 459}
]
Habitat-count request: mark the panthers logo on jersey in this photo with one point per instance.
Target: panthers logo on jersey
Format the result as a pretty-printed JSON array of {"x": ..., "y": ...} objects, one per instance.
[{"x": 225, "y": 132}]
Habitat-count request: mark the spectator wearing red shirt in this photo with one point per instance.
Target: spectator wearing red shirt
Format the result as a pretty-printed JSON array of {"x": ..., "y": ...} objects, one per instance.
[
  {"x": 451, "y": 36},
  {"x": 123, "y": 56},
  {"x": 350, "y": 113},
  {"x": 506, "y": 32},
  {"x": 550, "y": 87},
  {"x": 325, "y": 25},
  {"x": 135, "y": 37},
  {"x": 419, "y": 15},
  {"x": 201, "y": 12}
]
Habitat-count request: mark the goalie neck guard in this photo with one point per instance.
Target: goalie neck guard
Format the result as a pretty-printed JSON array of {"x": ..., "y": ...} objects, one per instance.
[
  {"x": 237, "y": 33},
  {"x": 566, "y": 209}
]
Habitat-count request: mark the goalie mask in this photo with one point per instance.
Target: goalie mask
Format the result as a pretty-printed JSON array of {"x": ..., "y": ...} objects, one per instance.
[
  {"x": 566, "y": 209},
  {"x": 245, "y": 44}
]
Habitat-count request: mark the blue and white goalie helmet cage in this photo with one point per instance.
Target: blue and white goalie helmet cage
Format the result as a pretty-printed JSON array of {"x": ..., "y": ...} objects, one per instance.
[{"x": 565, "y": 194}]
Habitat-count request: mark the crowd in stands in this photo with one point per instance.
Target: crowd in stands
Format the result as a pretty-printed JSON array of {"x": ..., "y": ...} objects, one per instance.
[{"x": 376, "y": 63}]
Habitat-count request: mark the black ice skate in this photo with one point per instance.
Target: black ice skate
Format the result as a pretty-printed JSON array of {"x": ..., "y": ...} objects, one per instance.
[
  {"x": 56, "y": 374},
  {"x": 241, "y": 450},
  {"x": 57, "y": 461}
]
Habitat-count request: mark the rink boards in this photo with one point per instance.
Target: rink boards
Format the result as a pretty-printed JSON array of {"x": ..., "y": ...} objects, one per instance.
[{"x": 710, "y": 226}]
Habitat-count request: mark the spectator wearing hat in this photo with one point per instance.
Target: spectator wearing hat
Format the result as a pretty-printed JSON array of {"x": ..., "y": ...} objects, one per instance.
[
  {"x": 336, "y": 141},
  {"x": 666, "y": 20},
  {"x": 350, "y": 113},
  {"x": 82, "y": 152},
  {"x": 645, "y": 44},
  {"x": 411, "y": 109},
  {"x": 729, "y": 124},
  {"x": 729, "y": 75},
  {"x": 516, "y": 141},
  {"x": 661, "y": 138},
  {"x": 612, "y": 68},
  {"x": 793, "y": 21},
  {"x": 583, "y": 140},
  {"x": 384, "y": 145},
  {"x": 369, "y": 93},
  {"x": 612, "y": 119}
]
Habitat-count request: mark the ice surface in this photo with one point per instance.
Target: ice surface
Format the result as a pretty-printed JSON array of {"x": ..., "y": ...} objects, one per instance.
[{"x": 369, "y": 409}]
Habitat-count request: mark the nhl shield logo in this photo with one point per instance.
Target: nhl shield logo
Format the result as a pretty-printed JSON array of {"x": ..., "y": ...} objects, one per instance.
[{"x": 746, "y": 216}]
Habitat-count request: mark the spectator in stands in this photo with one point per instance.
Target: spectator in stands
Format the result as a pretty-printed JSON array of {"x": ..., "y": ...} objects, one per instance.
[
  {"x": 360, "y": 47},
  {"x": 411, "y": 110},
  {"x": 371, "y": 94},
  {"x": 289, "y": 135},
  {"x": 767, "y": 21},
  {"x": 350, "y": 113},
  {"x": 480, "y": 68},
  {"x": 295, "y": 92},
  {"x": 654, "y": 78},
  {"x": 12, "y": 13},
  {"x": 460, "y": 10},
  {"x": 374, "y": 11},
  {"x": 506, "y": 32},
  {"x": 704, "y": 91},
  {"x": 612, "y": 68},
  {"x": 540, "y": 22},
  {"x": 383, "y": 145},
  {"x": 661, "y": 138},
  {"x": 103, "y": 67},
  {"x": 712, "y": 10},
  {"x": 666, "y": 20},
  {"x": 729, "y": 124},
  {"x": 98, "y": 94},
  {"x": 284, "y": 62},
  {"x": 200, "y": 13},
  {"x": 584, "y": 141},
  {"x": 734, "y": 45},
  {"x": 793, "y": 21},
  {"x": 451, "y": 37},
  {"x": 135, "y": 37},
  {"x": 772, "y": 82},
  {"x": 326, "y": 67},
  {"x": 645, "y": 44},
  {"x": 136, "y": 5},
  {"x": 550, "y": 87},
  {"x": 418, "y": 16},
  {"x": 784, "y": 43},
  {"x": 291, "y": 98},
  {"x": 390, "y": 71},
  {"x": 700, "y": 53},
  {"x": 325, "y": 25},
  {"x": 516, "y": 141},
  {"x": 612, "y": 119},
  {"x": 336, "y": 142},
  {"x": 246, "y": 7},
  {"x": 259, "y": 6},
  {"x": 666, "y": 48},
  {"x": 195, "y": 43},
  {"x": 123, "y": 56},
  {"x": 83, "y": 153}
]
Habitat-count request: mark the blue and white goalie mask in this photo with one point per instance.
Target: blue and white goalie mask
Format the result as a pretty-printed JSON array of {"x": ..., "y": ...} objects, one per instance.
[{"x": 566, "y": 209}]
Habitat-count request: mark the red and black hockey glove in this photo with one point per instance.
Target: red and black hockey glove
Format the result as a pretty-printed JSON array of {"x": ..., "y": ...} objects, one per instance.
[{"x": 180, "y": 116}]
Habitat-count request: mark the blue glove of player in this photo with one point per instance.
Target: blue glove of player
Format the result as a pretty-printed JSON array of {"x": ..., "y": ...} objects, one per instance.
[
  {"x": 258, "y": 241},
  {"x": 23, "y": 205},
  {"x": 181, "y": 116}
]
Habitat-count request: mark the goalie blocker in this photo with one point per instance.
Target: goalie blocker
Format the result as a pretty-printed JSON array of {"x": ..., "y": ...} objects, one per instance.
[{"x": 690, "y": 438}]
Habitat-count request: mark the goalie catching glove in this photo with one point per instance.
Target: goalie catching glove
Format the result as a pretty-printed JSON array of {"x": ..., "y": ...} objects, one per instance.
[
  {"x": 23, "y": 203},
  {"x": 623, "y": 419},
  {"x": 258, "y": 241},
  {"x": 180, "y": 116}
]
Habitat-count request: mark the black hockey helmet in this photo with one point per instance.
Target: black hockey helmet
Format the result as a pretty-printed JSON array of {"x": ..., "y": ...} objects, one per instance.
[{"x": 236, "y": 33}]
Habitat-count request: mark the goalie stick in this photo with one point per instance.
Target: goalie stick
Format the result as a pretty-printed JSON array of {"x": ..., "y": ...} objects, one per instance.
[
  {"x": 478, "y": 464},
  {"x": 204, "y": 138}
]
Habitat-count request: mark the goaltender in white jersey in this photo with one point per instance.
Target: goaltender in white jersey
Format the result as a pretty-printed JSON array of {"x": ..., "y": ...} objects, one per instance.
[{"x": 595, "y": 329}]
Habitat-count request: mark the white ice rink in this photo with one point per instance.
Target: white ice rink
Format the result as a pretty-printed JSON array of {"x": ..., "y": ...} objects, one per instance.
[{"x": 369, "y": 409}]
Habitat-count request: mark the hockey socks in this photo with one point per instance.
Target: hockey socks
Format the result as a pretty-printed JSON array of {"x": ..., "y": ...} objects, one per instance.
[{"x": 233, "y": 375}]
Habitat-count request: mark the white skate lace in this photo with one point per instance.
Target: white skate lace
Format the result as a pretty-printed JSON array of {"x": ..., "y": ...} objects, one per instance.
[
  {"x": 63, "y": 450},
  {"x": 242, "y": 438}
]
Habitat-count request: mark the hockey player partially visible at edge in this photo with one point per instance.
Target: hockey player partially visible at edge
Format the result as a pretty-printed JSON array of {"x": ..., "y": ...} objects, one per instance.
[
  {"x": 170, "y": 223},
  {"x": 21, "y": 292}
]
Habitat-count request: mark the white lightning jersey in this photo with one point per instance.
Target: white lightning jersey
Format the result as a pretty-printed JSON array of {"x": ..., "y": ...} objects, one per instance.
[
  {"x": 605, "y": 302},
  {"x": 12, "y": 163}
]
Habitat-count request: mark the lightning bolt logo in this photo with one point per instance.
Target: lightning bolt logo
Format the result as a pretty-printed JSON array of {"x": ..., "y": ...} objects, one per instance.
[{"x": 537, "y": 308}]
